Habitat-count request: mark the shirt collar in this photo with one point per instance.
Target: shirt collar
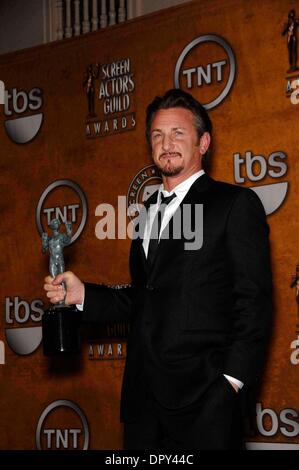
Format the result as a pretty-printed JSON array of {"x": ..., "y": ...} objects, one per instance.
[{"x": 181, "y": 189}]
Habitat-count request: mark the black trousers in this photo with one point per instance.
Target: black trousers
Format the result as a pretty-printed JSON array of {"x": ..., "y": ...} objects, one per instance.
[{"x": 214, "y": 422}]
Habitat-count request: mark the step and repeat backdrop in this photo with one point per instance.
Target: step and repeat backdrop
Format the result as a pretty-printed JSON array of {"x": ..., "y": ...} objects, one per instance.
[{"x": 73, "y": 148}]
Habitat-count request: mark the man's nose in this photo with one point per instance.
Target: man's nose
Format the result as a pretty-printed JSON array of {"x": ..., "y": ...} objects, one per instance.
[{"x": 167, "y": 143}]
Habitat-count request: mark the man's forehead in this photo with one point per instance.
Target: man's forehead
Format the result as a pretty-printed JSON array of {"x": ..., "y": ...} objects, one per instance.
[{"x": 174, "y": 117}]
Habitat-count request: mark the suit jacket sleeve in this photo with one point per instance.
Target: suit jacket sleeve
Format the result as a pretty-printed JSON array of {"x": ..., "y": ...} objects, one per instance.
[
  {"x": 107, "y": 303},
  {"x": 249, "y": 257}
]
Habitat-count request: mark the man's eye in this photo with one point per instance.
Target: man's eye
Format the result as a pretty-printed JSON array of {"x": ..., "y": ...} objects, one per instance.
[
  {"x": 178, "y": 133},
  {"x": 156, "y": 136}
]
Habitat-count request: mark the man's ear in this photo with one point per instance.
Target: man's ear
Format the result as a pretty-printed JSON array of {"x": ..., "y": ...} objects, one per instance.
[{"x": 204, "y": 143}]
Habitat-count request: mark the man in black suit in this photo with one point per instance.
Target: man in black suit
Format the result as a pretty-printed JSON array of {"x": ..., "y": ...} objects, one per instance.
[{"x": 199, "y": 309}]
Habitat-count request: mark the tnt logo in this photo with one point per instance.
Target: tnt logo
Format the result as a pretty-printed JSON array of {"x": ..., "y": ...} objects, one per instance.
[
  {"x": 67, "y": 212},
  {"x": 61, "y": 426},
  {"x": 197, "y": 76},
  {"x": 207, "y": 65},
  {"x": 72, "y": 206}
]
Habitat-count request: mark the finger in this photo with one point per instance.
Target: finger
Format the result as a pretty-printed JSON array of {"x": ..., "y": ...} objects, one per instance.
[
  {"x": 50, "y": 294},
  {"x": 55, "y": 297},
  {"x": 63, "y": 277},
  {"x": 55, "y": 300},
  {"x": 50, "y": 287},
  {"x": 49, "y": 279}
]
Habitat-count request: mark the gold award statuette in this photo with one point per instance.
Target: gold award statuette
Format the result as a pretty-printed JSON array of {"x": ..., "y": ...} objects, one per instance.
[{"x": 60, "y": 322}]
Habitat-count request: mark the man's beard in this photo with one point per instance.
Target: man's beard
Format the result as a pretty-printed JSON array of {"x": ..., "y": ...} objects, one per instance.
[{"x": 170, "y": 169}]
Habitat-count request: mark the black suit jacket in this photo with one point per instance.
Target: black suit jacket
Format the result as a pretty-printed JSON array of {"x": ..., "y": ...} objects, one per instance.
[{"x": 196, "y": 314}]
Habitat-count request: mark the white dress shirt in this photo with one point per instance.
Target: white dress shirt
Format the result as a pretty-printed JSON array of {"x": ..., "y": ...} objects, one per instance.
[{"x": 180, "y": 190}]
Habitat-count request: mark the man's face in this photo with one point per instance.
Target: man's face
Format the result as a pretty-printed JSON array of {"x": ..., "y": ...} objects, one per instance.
[{"x": 175, "y": 143}]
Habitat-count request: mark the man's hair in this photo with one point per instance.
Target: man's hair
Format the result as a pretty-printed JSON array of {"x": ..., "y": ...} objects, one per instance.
[{"x": 177, "y": 98}]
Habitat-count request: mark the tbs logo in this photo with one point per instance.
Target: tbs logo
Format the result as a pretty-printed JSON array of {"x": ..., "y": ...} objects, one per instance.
[
  {"x": 22, "y": 129},
  {"x": 255, "y": 168},
  {"x": 26, "y": 339}
]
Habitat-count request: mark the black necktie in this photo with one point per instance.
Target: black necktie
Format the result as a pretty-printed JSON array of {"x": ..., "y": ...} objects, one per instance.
[{"x": 156, "y": 227}]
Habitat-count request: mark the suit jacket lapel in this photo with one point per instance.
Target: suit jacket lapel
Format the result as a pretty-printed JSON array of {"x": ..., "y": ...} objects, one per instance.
[
  {"x": 169, "y": 243},
  {"x": 137, "y": 250}
]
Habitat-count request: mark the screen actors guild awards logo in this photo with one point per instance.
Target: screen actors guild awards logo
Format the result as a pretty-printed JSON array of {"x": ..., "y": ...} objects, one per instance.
[
  {"x": 142, "y": 186},
  {"x": 109, "y": 90},
  {"x": 92, "y": 73},
  {"x": 290, "y": 31}
]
